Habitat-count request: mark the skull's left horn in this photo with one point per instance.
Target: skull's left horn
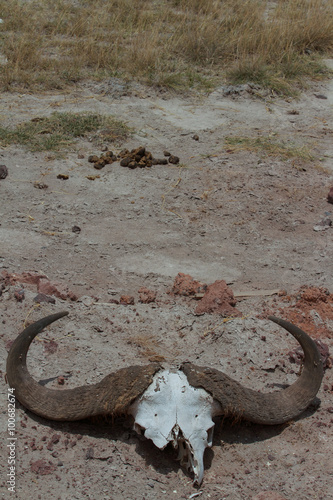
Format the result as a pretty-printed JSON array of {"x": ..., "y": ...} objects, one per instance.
[
  {"x": 272, "y": 408},
  {"x": 114, "y": 394}
]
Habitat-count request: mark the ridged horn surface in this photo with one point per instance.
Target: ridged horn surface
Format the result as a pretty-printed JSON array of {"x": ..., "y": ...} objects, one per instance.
[
  {"x": 272, "y": 408},
  {"x": 114, "y": 394}
]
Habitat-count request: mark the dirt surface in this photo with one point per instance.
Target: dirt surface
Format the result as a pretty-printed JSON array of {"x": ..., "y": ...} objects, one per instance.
[{"x": 108, "y": 250}]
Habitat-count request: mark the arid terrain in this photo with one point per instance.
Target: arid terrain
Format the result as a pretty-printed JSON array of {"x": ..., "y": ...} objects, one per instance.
[{"x": 247, "y": 203}]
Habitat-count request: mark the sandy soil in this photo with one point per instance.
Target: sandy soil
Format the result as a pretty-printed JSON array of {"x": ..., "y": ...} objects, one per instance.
[{"x": 221, "y": 214}]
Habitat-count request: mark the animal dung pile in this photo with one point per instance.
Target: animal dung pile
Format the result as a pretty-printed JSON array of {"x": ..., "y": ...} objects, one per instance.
[
  {"x": 136, "y": 158},
  {"x": 3, "y": 171},
  {"x": 105, "y": 159}
]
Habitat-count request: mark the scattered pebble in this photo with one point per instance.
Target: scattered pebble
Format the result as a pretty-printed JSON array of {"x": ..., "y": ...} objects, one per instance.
[
  {"x": 146, "y": 296},
  {"x": 42, "y": 297},
  {"x": 127, "y": 300},
  {"x": 330, "y": 196},
  {"x": 19, "y": 295},
  {"x": 64, "y": 177},
  {"x": 324, "y": 224}
]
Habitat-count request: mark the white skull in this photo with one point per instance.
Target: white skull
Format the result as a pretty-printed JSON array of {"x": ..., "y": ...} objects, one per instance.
[{"x": 170, "y": 410}]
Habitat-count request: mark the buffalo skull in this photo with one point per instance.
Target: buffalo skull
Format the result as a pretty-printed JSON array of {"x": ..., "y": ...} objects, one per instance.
[{"x": 168, "y": 406}]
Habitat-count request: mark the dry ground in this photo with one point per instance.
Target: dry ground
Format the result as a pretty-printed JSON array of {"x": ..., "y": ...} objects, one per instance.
[{"x": 230, "y": 210}]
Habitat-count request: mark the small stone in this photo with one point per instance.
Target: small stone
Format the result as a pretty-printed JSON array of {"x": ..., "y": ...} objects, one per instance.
[
  {"x": 324, "y": 224},
  {"x": 61, "y": 380},
  {"x": 42, "y": 297},
  {"x": 166, "y": 153},
  {"x": 195, "y": 137},
  {"x": 63, "y": 177},
  {"x": 3, "y": 171},
  {"x": 76, "y": 229},
  {"x": 19, "y": 295},
  {"x": 146, "y": 296},
  {"x": 127, "y": 300}
]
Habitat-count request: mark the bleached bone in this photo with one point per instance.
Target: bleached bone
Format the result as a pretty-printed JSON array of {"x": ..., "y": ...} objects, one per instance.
[
  {"x": 171, "y": 411},
  {"x": 168, "y": 407}
]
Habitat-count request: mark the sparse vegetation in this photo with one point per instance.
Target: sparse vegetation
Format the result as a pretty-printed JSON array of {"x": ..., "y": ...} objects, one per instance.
[
  {"x": 173, "y": 43},
  {"x": 270, "y": 146},
  {"x": 60, "y": 129}
]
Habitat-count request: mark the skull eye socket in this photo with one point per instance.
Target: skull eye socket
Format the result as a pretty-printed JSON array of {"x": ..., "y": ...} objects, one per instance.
[
  {"x": 140, "y": 430},
  {"x": 210, "y": 433}
]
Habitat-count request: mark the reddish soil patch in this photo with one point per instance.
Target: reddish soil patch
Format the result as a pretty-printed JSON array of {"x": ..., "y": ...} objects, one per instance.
[
  {"x": 44, "y": 285},
  {"x": 146, "y": 296},
  {"x": 311, "y": 309},
  {"x": 219, "y": 298},
  {"x": 185, "y": 285}
]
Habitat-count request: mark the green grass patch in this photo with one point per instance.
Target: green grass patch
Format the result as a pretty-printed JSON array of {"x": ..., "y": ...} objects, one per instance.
[
  {"x": 59, "y": 130},
  {"x": 270, "y": 147}
]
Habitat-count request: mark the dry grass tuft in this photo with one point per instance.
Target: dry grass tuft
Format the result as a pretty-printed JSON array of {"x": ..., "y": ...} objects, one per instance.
[
  {"x": 174, "y": 43},
  {"x": 269, "y": 146}
]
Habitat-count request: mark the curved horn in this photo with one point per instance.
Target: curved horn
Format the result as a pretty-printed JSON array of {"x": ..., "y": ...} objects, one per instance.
[
  {"x": 273, "y": 408},
  {"x": 113, "y": 394}
]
